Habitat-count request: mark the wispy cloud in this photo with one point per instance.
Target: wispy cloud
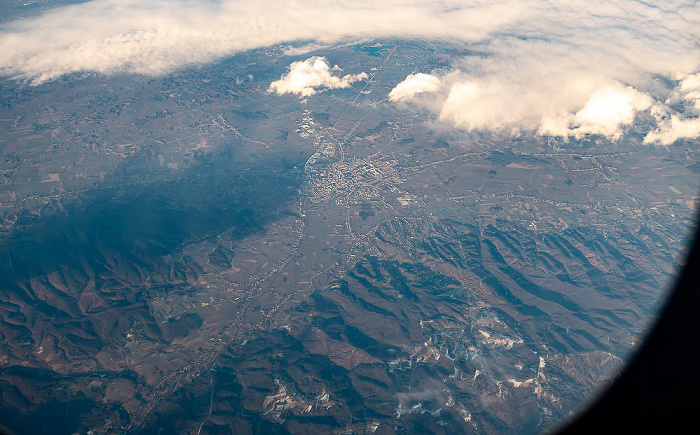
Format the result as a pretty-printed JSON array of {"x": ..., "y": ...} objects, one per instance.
[{"x": 305, "y": 77}]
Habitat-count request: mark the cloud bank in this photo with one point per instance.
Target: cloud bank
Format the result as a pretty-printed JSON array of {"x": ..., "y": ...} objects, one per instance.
[
  {"x": 158, "y": 36},
  {"x": 565, "y": 68},
  {"x": 304, "y": 77}
]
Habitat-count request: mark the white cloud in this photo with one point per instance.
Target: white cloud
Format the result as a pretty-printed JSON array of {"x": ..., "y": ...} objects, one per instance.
[
  {"x": 414, "y": 84},
  {"x": 304, "y": 77},
  {"x": 689, "y": 93},
  {"x": 673, "y": 129},
  {"x": 580, "y": 108},
  {"x": 609, "y": 109},
  {"x": 605, "y": 113},
  {"x": 475, "y": 104},
  {"x": 673, "y": 126}
]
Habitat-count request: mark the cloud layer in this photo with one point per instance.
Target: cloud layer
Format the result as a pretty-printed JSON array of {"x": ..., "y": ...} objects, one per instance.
[
  {"x": 566, "y": 67},
  {"x": 304, "y": 77},
  {"x": 156, "y": 37}
]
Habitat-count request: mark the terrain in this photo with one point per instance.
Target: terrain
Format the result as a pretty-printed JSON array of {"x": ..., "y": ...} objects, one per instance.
[{"x": 194, "y": 254}]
